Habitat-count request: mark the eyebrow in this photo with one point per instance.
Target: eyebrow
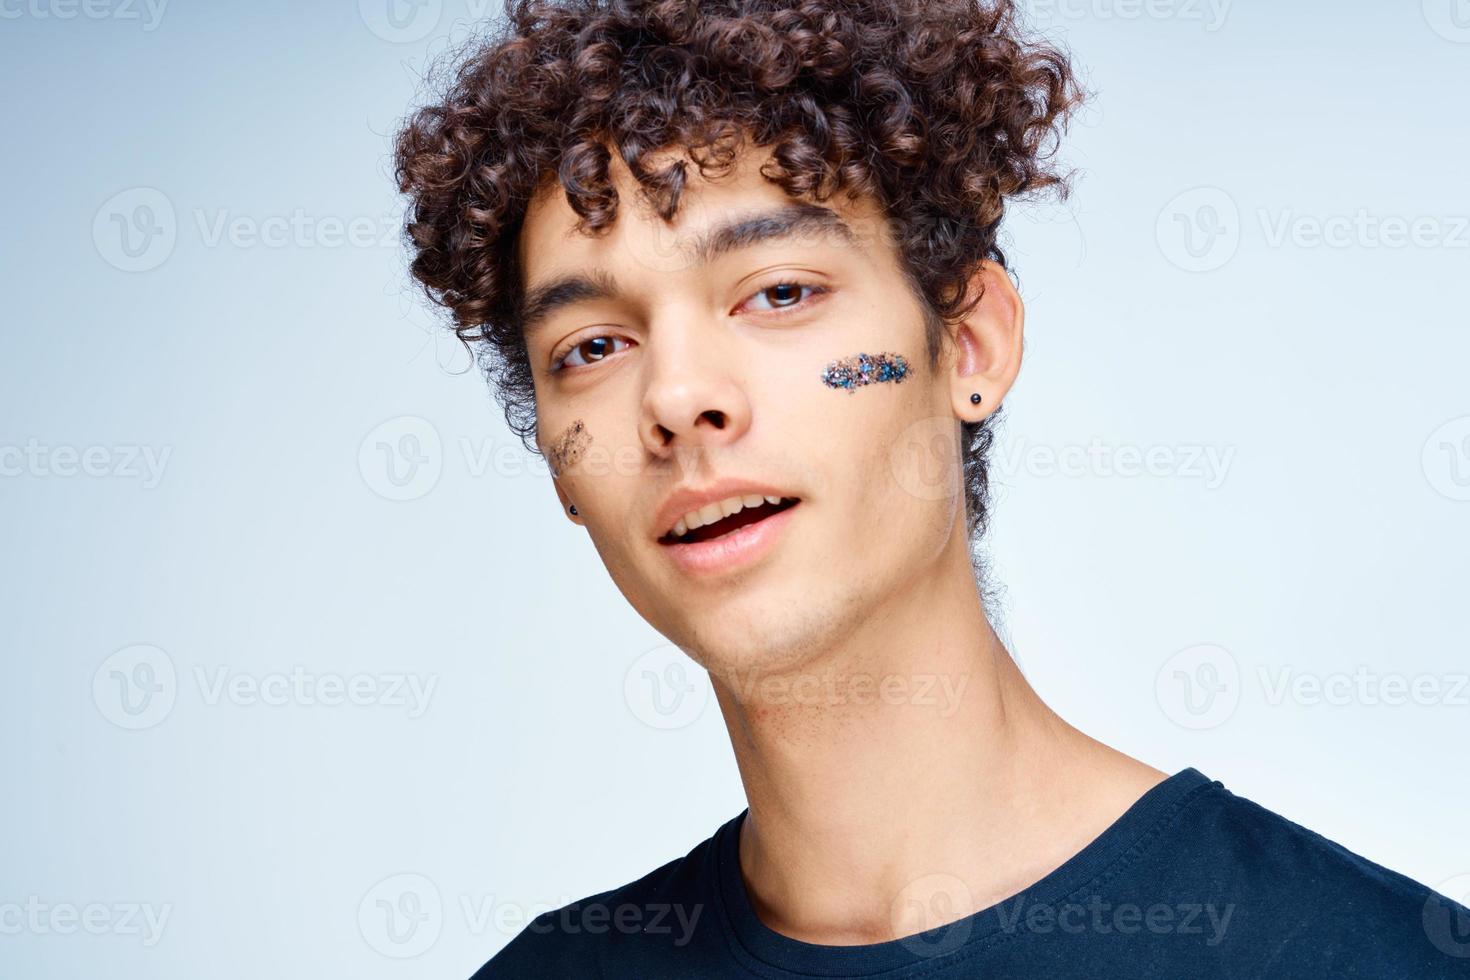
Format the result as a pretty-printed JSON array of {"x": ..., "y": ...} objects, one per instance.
[{"x": 746, "y": 231}]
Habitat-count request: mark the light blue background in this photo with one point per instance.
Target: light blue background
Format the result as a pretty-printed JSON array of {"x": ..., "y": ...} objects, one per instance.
[{"x": 1336, "y": 539}]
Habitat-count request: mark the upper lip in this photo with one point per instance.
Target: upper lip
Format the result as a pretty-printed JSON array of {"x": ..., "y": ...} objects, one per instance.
[{"x": 684, "y": 499}]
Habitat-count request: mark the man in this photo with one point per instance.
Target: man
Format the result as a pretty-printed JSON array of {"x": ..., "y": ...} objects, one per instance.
[{"x": 733, "y": 265}]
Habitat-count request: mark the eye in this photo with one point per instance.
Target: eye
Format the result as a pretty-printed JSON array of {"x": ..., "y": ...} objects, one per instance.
[
  {"x": 782, "y": 296},
  {"x": 588, "y": 351}
]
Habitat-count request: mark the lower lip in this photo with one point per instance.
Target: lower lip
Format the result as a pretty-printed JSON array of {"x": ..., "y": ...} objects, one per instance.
[{"x": 742, "y": 547}]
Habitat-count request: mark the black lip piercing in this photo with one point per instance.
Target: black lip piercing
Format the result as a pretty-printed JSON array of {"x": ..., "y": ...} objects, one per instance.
[{"x": 975, "y": 398}]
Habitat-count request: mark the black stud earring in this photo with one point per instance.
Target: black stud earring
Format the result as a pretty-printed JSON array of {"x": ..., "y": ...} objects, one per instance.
[
  {"x": 975, "y": 398},
  {"x": 572, "y": 510}
]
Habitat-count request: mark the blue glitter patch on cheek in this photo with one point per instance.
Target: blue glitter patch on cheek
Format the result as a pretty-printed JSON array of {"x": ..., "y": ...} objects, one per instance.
[{"x": 852, "y": 373}]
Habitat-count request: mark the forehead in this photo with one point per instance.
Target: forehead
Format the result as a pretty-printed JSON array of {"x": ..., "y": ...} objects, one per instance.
[{"x": 549, "y": 244}]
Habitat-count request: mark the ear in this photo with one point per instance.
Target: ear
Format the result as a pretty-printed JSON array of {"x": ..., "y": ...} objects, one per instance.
[
  {"x": 566, "y": 502},
  {"x": 987, "y": 344}
]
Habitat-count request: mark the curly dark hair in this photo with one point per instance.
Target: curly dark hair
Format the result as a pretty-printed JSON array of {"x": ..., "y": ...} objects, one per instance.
[{"x": 940, "y": 109}]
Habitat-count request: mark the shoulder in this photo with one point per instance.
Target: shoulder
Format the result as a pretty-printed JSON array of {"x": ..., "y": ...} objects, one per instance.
[
  {"x": 1263, "y": 846},
  {"x": 643, "y": 923},
  {"x": 1313, "y": 903}
]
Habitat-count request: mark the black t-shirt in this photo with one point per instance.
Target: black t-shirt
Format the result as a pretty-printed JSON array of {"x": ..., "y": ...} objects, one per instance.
[{"x": 1192, "y": 881}]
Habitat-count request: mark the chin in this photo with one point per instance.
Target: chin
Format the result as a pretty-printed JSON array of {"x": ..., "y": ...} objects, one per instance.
[{"x": 749, "y": 639}]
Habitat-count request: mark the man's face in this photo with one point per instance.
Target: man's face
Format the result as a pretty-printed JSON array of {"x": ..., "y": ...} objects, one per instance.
[{"x": 667, "y": 370}]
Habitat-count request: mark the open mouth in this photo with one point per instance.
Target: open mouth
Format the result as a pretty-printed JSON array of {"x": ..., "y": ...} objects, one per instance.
[{"x": 730, "y": 523}]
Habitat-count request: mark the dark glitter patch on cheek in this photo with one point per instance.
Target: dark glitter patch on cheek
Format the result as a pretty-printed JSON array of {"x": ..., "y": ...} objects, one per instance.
[
  {"x": 852, "y": 373},
  {"x": 570, "y": 446}
]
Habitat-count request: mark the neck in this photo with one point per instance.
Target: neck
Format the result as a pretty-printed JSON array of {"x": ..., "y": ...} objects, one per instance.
[{"x": 914, "y": 759}]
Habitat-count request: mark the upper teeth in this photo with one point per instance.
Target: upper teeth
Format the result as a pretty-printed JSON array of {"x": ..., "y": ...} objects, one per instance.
[{"x": 719, "y": 510}]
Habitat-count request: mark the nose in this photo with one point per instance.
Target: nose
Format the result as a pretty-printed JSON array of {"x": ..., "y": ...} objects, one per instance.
[{"x": 694, "y": 397}]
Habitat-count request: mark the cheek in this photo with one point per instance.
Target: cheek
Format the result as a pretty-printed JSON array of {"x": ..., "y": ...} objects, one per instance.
[
  {"x": 910, "y": 458},
  {"x": 880, "y": 429},
  {"x": 582, "y": 457},
  {"x": 568, "y": 447}
]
